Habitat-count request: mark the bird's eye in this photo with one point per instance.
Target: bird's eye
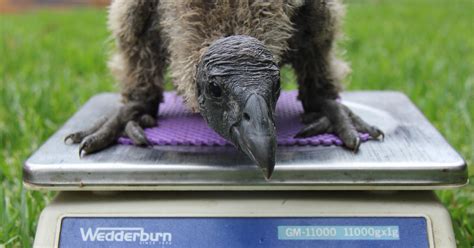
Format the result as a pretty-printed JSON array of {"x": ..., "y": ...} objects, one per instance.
[{"x": 215, "y": 90}]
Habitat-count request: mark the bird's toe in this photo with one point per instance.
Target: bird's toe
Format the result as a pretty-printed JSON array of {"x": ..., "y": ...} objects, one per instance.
[{"x": 136, "y": 133}]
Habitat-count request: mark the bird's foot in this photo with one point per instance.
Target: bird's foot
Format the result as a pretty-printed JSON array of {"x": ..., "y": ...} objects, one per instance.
[
  {"x": 337, "y": 118},
  {"x": 128, "y": 121}
]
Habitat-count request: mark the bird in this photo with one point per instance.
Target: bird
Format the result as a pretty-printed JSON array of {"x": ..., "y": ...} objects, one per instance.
[{"x": 224, "y": 58}]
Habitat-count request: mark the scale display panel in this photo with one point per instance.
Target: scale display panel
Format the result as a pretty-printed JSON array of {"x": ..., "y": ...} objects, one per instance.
[{"x": 244, "y": 232}]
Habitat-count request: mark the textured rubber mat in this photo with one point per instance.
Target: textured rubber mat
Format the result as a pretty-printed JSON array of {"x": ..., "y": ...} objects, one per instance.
[{"x": 179, "y": 127}]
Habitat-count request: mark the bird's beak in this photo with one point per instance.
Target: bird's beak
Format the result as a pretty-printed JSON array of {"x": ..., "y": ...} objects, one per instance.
[{"x": 255, "y": 134}]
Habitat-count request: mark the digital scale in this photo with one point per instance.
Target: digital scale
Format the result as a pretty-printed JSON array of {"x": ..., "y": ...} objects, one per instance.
[{"x": 189, "y": 196}]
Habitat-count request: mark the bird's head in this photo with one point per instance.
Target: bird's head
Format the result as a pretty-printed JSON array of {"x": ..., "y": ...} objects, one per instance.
[{"x": 238, "y": 85}]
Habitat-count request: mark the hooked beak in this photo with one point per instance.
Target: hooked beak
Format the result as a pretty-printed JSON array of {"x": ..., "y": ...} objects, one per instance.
[{"x": 255, "y": 134}]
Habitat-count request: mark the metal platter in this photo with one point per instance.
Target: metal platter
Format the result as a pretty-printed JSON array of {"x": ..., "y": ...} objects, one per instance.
[{"x": 413, "y": 156}]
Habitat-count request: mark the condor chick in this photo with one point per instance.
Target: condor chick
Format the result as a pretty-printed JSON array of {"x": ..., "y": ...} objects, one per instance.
[{"x": 224, "y": 57}]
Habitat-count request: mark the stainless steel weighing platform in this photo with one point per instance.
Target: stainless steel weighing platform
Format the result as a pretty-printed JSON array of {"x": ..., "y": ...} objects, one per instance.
[{"x": 413, "y": 156}]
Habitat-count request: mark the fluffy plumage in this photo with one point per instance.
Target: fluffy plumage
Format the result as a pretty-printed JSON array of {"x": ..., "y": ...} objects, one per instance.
[
  {"x": 190, "y": 26},
  {"x": 153, "y": 35}
]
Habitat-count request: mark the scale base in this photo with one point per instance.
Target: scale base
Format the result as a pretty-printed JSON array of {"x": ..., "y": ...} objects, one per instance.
[{"x": 60, "y": 222}]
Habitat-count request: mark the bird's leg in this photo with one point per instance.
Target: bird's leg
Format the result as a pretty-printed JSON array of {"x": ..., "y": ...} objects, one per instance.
[
  {"x": 130, "y": 119},
  {"x": 334, "y": 117},
  {"x": 139, "y": 64},
  {"x": 320, "y": 73}
]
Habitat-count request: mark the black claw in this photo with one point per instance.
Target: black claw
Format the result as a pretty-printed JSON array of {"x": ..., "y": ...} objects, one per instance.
[
  {"x": 304, "y": 133},
  {"x": 67, "y": 138},
  {"x": 73, "y": 138},
  {"x": 145, "y": 142},
  {"x": 375, "y": 133},
  {"x": 299, "y": 135},
  {"x": 356, "y": 145},
  {"x": 84, "y": 148},
  {"x": 81, "y": 149},
  {"x": 381, "y": 135}
]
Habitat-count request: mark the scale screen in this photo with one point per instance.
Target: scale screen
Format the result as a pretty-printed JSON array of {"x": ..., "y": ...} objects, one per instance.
[{"x": 243, "y": 232}]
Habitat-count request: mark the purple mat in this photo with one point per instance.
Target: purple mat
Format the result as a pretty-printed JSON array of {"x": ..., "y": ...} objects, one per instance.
[{"x": 179, "y": 127}]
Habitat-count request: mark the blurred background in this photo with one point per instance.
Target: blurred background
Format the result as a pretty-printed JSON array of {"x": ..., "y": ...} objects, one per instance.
[
  {"x": 53, "y": 57},
  {"x": 23, "y": 5}
]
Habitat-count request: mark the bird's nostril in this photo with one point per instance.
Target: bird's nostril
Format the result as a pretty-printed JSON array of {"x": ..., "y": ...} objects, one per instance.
[{"x": 246, "y": 117}]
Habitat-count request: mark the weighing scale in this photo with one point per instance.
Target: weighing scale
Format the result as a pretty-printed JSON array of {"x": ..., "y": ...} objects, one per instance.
[{"x": 190, "y": 196}]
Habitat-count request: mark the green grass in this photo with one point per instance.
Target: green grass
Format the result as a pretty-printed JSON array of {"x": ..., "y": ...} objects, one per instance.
[{"x": 52, "y": 62}]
